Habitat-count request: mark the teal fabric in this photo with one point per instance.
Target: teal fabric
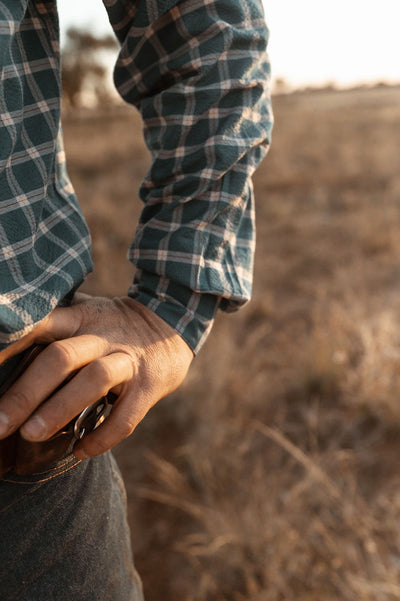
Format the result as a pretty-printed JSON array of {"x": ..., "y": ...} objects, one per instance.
[
  {"x": 44, "y": 241},
  {"x": 198, "y": 72}
]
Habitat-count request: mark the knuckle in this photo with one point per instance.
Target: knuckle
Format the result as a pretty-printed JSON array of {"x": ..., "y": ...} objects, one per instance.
[
  {"x": 101, "y": 374},
  {"x": 64, "y": 353},
  {"x": 127, "y": 423},
  {"x": 125, "y": 429},
  {"x": 20, "y": 402}
]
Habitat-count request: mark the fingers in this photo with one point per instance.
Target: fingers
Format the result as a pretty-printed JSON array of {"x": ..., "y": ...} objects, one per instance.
[
  {"x": 47, "y": 372},
  {"x": 88, "y": 386},
  {"x": 126, "y": 414},
  {"x": 61, "y": 323},
  {"x": 117, "y": 345}
]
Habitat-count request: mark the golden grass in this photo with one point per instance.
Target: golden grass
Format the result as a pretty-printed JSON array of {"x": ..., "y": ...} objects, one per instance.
[{"x": 273, "y": 474}]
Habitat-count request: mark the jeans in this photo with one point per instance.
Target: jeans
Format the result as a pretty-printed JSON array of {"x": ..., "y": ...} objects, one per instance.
[{"x": 64, "y": 535}]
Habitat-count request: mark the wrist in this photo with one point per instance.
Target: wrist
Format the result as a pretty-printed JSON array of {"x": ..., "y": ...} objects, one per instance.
[{"x": 188, "y": 313}]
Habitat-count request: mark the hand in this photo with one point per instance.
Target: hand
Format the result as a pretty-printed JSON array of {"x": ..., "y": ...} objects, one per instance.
[{"x": 117, "y": 345}]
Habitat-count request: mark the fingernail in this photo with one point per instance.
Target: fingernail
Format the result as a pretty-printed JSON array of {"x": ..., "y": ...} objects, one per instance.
[
  {"x": 34, "y": 429},
  {"x": 4, "y": 424}
]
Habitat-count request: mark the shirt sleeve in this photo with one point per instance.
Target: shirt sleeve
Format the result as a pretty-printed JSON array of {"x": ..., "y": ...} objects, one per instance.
[{"x": 198, "y": 72}]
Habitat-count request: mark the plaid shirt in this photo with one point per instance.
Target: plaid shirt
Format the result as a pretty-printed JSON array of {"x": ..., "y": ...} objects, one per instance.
[{"x": 198, "y": 72}]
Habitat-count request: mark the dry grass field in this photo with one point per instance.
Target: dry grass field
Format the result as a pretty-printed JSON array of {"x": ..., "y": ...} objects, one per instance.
[{"x": 273, "y": 474}]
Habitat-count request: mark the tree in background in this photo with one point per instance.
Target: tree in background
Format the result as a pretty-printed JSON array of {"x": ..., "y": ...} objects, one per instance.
[{"x": 84, "y": 68}]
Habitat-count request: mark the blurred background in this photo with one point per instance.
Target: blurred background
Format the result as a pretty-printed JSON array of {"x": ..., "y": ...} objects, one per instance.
[{"x": 273, "y": 473}]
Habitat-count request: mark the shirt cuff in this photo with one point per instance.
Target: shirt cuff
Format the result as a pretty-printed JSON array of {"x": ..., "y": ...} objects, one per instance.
[{"x": 190, "y": 313}]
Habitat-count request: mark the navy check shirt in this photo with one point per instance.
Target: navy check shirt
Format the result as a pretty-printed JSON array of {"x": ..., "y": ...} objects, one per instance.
[{"x": 198, "y": 72}]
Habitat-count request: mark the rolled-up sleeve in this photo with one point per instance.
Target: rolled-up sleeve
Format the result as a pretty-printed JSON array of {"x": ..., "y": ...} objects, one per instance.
[{"x": 198, "y": 72}]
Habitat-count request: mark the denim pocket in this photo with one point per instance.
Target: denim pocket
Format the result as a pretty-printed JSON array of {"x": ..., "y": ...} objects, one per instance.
[{"x": 55, "y": 470}]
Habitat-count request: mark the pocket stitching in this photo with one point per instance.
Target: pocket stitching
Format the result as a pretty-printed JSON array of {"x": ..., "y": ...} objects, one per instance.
[{"x": 50, "y": 477}]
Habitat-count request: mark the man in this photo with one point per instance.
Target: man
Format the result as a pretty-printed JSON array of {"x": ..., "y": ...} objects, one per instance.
[{"x": 198, "y": 72}]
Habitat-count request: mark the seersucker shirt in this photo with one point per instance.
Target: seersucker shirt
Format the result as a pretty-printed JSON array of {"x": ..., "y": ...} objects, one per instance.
[{"x": 198, "y": 72}]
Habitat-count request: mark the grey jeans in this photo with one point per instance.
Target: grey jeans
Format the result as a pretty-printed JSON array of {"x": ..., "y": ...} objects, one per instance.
[{"x": 64, "y": 535}]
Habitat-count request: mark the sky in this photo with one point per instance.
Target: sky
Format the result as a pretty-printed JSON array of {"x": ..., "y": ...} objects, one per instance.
[{"x": 312, "y": 42}]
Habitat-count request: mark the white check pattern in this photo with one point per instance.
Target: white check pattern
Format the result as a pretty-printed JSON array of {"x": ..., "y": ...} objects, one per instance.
[{"x": 199, "y": 74}]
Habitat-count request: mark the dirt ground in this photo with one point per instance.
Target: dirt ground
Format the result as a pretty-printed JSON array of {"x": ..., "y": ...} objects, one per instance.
[{"x": 273, "y": 473}]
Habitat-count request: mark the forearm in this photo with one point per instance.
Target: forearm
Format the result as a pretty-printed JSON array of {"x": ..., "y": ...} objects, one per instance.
[{"x": 199, "y": 73}]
